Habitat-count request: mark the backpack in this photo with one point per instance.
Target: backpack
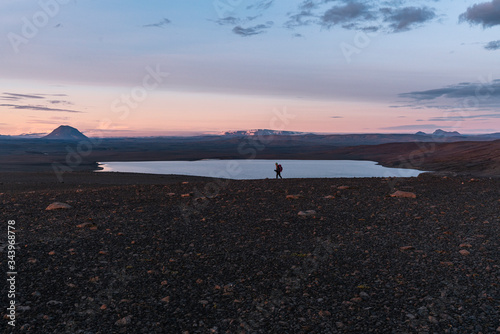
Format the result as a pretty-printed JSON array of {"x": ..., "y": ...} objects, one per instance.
[{"x": 280, "y": 169}]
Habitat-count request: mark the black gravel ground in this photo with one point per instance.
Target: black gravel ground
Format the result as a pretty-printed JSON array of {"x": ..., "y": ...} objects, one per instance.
[{"x": 216, "y": 256}]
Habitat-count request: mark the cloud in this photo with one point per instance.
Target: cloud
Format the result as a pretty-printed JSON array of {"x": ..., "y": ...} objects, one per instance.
[
  {"x": 261, "y": 5},
  {"x": 17, "y": 97},
  {"x": 464, "y": 117},
  {"x": 23, "y": 104},
  {"x": 230, "y": 20},
  {"x": 487, "y": 14},
  {"x": 304, "y": 18},
  {"x": 347, "y": 13},
  {"x": 493, "y": 45},
  {"x": 418, "y": 127},
  {"x": 235, "y": 14},
  {"x": 402, "y": 19},
  {"x": 159, "y": 24},
  {"x": 369, "y": 16},
  {"x": 476, "y": 100},
  {"x": 251, "y": 31},
  {"x": 480, "y": 90},
  {"x": 38, "y": 108}
]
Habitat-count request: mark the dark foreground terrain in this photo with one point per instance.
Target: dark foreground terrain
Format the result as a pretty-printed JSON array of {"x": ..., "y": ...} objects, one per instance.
[{"x": 215, "y": 256}]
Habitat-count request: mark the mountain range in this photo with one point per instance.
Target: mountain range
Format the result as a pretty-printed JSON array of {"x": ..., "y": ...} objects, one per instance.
[{"x": 439, "y": 151}]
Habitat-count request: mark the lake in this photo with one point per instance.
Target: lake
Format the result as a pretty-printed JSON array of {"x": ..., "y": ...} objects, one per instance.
[{"x": 261, "y": 169}]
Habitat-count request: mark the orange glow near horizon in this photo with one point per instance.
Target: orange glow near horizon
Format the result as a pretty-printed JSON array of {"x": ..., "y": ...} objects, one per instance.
[{"x": 101, "y": 112}]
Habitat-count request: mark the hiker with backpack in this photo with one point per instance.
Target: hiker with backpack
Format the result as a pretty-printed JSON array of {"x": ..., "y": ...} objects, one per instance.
[{"x": 278, "y": 170}]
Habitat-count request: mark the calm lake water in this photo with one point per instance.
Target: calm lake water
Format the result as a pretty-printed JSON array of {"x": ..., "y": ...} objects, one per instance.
[{"x": 261, "y": 169}]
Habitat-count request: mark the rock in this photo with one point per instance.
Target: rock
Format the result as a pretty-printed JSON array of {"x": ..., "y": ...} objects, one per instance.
[
  {"x": 57, "y": 206},
  {"x": 464, "y": 252},
  {"x": 329, "y": 197},
  {"x": 85, "y": 225},
  {"x": 53, "y": 303},
  {"x": 403, "y": 194},
  {"x": 307, "y": 213},
  {"x": 343, "y": 187},
  {"x": 465, "y": 245},
  {"x": 124, "y": 321},
  {"x": 293, "y": 196},
  {"x": 324, "y": 314},
  {"x": 404, "y": 248},
  {"x": 364, "y": 295},
  {"x": 166, "y": 299},
  {"x": 433, "y": 320}
]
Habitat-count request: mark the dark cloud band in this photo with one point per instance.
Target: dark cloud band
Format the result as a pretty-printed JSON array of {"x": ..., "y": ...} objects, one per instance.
[{"x": 487, "y": 14}]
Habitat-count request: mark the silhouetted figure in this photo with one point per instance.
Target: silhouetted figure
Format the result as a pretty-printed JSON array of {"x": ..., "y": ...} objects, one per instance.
[{"x": 278, "y": 170}]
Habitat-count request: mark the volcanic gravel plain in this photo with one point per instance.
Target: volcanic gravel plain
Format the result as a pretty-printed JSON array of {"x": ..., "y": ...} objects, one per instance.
[{"x": 174, "y": 254}]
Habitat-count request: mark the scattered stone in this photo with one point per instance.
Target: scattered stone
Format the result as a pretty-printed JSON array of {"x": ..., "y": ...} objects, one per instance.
[
  {"x": 464, "y": 252},
  {"x": 124, "y": 321},
  {"x": 343, "y": 187},
  {"x": 84, "y": 225},
  {"x": 329, "y": 197},
  {"x": 307, "y": 213},
  {"x": 57, "y": 206},
  {"x": 433, "y": 320},
  {"x": 293, "y": 196},
  {"x": 364, "y": 295},
  {"x": 465, "y": 245},
  {"x": 405, "y": 248},
  {"x": 324, "y": 314},
  {"x": 403, "y": 194},
  {"x": 166, "y": 299}
]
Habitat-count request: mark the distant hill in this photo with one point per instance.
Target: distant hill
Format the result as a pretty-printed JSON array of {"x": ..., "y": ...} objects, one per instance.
[
  {"x": 442, "y": 133},
  {"x": 65, "y": 132}
]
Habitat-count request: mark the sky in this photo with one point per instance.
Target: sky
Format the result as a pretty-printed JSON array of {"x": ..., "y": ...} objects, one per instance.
[{"x": 165, "y": 67}]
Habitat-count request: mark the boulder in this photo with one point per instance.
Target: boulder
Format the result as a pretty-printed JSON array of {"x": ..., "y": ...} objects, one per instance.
[
  {"x": 293, "y": 196},
  {"x": 403, "y": 194},
  {"x": 57, "y": 206},
  {"x": 307, "y": 213}
]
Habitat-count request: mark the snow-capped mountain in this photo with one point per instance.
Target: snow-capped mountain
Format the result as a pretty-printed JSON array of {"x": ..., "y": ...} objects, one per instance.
[{"x": 260, "y": 132}]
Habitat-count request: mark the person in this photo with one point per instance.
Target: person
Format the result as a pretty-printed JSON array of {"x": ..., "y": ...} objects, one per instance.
[{"x": 278, "y": 170}]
